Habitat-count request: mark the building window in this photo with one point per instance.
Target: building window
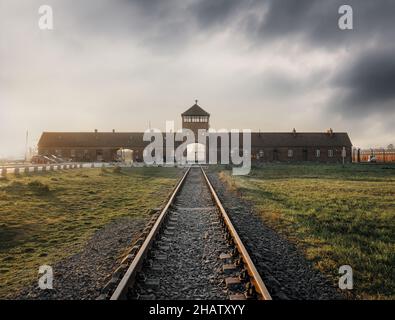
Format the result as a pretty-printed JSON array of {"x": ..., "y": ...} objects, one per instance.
[
  {"x": 72, "y": 153},
  {"x": 318, "y": 153},
  {"x": 290, "y": 153},
  {"x": 330, "y": 153},
  {"x": 261, "y": 153}
]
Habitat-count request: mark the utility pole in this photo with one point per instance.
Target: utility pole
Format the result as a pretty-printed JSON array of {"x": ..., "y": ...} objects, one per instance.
[{"x": 26, "y": 144}]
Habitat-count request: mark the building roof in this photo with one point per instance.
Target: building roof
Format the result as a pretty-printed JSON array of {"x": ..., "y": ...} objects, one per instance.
[
  {"x": 195, "y": 110},
  {"x": 300, "y": 139},
  {"x": 91, "y": 139},
  {"x": 135, "y": 139}
]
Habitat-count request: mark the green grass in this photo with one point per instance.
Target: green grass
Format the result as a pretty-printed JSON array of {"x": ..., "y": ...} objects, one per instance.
[
  {"x": 335, "y": 215},
  {"x": 46, "y": 217}
]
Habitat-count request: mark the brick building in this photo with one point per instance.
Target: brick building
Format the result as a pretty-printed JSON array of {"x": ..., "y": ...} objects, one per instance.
[{"x": 273, "y": 146}]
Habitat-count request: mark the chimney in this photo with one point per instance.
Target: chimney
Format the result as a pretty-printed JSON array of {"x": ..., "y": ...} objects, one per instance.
[
  {"x": 330, "y": 132},
  {"x": 113, "y": 130},
  {"x": 294, "y": 132},
  {"x": 95, "y": 130}
]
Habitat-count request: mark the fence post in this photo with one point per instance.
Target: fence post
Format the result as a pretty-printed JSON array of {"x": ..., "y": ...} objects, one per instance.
[
  {"x": 16, "y": 171},
  {"x": 26, "y": 169},
  {"x": 35, "y": 169},
  {"x": 3, "y": 172}
]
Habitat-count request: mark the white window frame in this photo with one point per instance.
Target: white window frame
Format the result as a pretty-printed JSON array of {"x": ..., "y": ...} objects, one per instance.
[
  {"x": 318, "y": 153},
  {"x": 330, "y": 153},
  {"x": 290, "y": 153}
]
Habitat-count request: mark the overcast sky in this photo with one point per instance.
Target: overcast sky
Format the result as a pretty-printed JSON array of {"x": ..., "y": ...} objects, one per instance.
[{"x": 271, "y": 65}]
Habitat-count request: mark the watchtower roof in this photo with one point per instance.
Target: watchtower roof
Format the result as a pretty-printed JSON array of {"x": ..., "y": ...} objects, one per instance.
[{"x": 195, "y": 110}]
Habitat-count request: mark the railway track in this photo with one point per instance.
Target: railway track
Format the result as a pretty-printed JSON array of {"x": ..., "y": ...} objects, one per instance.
[{"x": 192, "y": 251}]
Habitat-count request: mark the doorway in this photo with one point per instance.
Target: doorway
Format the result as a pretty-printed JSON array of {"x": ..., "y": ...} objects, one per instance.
[
  {"x": 305, "y": 155},
  {"x": 275, "y": 155}
]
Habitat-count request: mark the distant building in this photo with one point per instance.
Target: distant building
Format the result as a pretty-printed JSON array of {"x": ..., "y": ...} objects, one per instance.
[
  {"x": 381, "y": 155},
  {"x": 265, "y": 146}
]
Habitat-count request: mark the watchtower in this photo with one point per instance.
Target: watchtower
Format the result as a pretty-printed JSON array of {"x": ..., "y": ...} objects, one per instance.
[{"x": 195, "y": 118}]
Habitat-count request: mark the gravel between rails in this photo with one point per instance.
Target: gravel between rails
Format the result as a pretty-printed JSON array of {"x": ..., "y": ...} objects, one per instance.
[
  {"x": 185, "y": 263},
  {"x": 285, "y": 271},
  {"x": 83, "y": 275}
]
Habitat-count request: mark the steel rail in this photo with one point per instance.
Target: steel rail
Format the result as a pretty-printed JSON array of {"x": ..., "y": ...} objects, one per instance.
[
  {"x": 130, "y": 275},
  {"x": 255, "y": 277}
]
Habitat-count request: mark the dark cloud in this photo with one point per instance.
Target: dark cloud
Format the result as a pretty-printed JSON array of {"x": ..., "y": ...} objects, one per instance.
[
  {"x": 220, "y": 12},
  {"x": 367, "y": 85},
  {"x": 169, "y": 23},
  {"x": 316, "y": 21},
  {"x": 303, "y": 19}
]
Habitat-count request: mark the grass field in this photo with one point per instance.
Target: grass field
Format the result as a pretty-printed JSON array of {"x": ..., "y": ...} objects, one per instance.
[
  {"x": 46, "y": 217},
  {"x": 335, "y": 215}
]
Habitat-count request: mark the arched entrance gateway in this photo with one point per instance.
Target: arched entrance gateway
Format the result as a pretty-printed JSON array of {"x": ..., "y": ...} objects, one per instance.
[{"x": 196, "y": 153}]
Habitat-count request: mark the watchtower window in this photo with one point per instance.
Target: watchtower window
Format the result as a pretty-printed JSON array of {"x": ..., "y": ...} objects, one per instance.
[{"x": 195, "y": 119}]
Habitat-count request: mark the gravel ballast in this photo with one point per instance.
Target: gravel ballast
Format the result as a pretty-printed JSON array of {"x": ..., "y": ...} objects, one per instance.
[
  {"x": 83, "y": 275},
  {"x": 185, "y": 262}
]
